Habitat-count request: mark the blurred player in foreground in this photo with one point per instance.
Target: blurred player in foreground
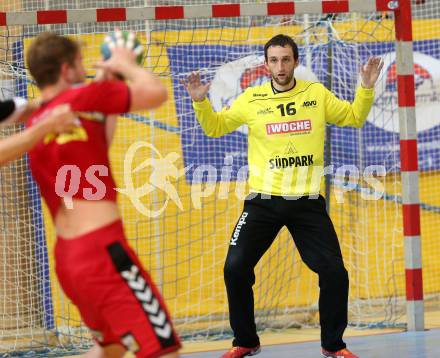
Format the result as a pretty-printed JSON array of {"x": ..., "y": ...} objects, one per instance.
[{"x": 95, "y": 266}]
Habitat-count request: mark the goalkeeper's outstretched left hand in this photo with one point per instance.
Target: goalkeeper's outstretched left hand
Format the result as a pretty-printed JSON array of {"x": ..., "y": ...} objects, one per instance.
[{"x": 370, "y": 71}]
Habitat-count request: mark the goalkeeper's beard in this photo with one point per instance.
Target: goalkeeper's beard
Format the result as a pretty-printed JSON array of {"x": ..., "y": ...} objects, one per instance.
[{"x": 283, "y": 82}]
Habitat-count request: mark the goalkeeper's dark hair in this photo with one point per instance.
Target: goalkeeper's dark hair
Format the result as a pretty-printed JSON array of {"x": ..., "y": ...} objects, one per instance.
[
  {"x": 283, "y": 41},
  {"x": 47, "y": 53}
]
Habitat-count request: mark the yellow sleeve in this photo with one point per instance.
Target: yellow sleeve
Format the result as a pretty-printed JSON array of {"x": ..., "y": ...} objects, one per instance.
[
  {"x": 216, "y": 124},
  {"x": 344, "y": 113}
]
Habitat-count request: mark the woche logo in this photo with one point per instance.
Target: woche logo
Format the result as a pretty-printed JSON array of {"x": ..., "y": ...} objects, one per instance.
[{"x": 301, "y": 126}]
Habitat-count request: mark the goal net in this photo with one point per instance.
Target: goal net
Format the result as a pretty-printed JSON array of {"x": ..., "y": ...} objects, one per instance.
[{"x": 181, "y": 192}]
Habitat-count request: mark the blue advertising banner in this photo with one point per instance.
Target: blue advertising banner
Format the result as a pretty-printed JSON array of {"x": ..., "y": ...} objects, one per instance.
[{"x": 231, "y": 69}]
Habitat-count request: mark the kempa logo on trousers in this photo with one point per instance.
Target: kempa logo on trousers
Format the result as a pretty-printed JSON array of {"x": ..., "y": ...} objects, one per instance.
[
  {"x": 241, "y": 222},
  {"x": 150, "y": 304}
]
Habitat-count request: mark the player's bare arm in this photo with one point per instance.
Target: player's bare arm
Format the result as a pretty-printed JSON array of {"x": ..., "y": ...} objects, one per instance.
[
  {"x": 110, "y": 128},
  {"x": 146, "y": 89},
  {"x": 60, "y": 120}
]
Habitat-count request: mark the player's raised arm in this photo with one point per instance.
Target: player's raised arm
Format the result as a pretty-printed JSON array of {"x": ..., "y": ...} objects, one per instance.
[
  {"x": 61, "y": 119},
  {"x": 344, "y": 113},
  {"x": 146, "y": 89},
  {"x": 214, "y": 124}
]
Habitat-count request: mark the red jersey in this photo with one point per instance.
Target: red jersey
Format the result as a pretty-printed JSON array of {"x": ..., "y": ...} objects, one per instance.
[{"x": 76, "y": 165}]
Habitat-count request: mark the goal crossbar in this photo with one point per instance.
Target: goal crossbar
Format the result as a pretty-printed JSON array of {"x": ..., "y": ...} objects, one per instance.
[{"x": 51, "y": 17}]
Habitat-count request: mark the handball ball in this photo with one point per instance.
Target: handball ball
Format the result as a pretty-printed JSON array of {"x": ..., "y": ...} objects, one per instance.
[{"x": 122, "y": 38}]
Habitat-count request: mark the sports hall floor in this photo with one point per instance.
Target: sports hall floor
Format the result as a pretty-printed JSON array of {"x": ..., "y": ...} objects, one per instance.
[
  {"x": 399, "y": 345},
  {"x": 368, "y": 343}
]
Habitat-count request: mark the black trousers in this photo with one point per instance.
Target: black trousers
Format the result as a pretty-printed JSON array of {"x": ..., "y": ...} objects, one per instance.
[{"x": 317, "y": 243}]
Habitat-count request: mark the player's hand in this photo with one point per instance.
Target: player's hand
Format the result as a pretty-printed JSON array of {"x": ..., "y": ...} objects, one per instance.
[
  {"x": 122, "y": 58},
  {"x": 370, "y": 71},
  {"x": 123, "y": 54},
  {"x": 104, "y": 75},
  {"x": 196, "y": 89},
  {"x": 61, "y": 119}
]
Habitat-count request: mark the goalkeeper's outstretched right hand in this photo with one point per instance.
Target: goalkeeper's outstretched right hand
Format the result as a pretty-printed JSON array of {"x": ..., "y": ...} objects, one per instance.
[{"x": 196, "y": 89}]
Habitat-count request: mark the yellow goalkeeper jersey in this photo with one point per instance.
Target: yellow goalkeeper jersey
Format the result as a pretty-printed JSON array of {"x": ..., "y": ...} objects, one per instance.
[{"x": 286, "y": 132}]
